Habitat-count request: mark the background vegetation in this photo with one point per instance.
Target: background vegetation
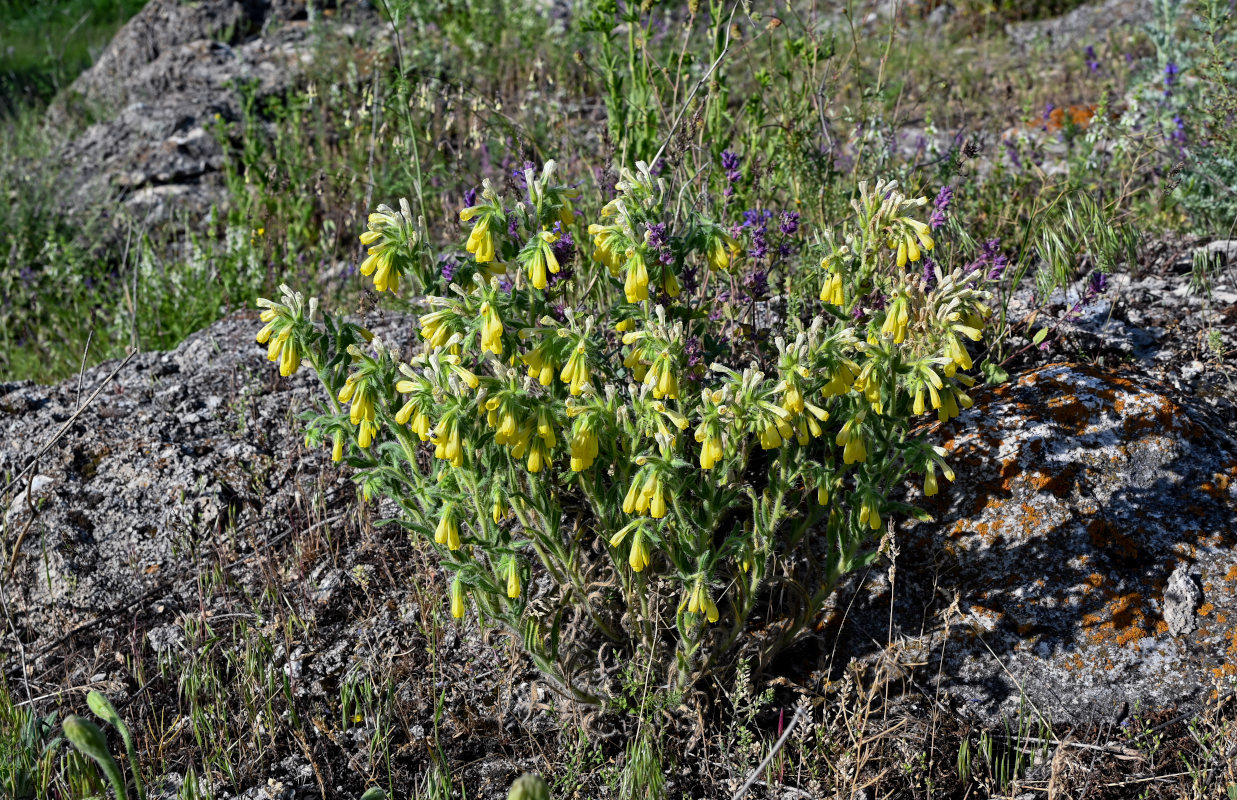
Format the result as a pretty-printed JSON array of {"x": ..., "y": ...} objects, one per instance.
[{"x": 1059, "y": 164}]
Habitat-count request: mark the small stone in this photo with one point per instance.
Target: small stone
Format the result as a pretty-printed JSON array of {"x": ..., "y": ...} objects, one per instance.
[{"x": 1182, "y": 597}]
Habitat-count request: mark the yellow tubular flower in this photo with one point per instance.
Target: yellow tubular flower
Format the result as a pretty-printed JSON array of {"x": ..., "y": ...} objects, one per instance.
[
  {"x": 621, "y": 327},
  {"x": 921, "y": 232},
  {"x": 896, "y": 319},
  {"x": 576, "y": 372},
  {"x": 540, "y": 365},
  {"x": 636, "y": 285},
  {"x": 957, "y": 351},
  {"x": 869, "y": 512},
  {"x": 929, "y": 481},
  {"x": 822, "y": 495},
  {"x": 841, "y": 380},
  {"x": 662, "y": 379},
  {"x": 481, "y": 240},
  {"x": 702, "y": 603},
  {"x": 639, "y": 557},
  {"x": 448, "y": 530},
  {"x": 710, "y": 438},
  {"x": 365, "y": 432},
  {"x": 721, "y": 249},
  {"x": 670, "y": 282},
  {"x": 657, "y": 505},
  {"x": 446, "y": 440},
  {"x": 337, "y": 450},
  {"x": 538, "y": 455},
  {"x": 851, "y": 439},
  {"x": 457, "y": 598},
  {"x": 435, "y": 328},
  {"x": 583, "y": 445},
  {"x": 633, "y": 493},
  {"x": 513, "y": 579},
  {"x": 499, "y": 510},
  {"x": 491, "y": 329}
]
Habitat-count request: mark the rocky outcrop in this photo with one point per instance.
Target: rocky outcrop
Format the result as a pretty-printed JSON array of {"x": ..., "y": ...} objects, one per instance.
[
  {"x": 1082, "y": 563},
  {"x": 1088, "y": 24},
  {"x": 162, "y": 94},
  {"x": 1083, "y": 559},
  {"x": 178, "y": 447}
]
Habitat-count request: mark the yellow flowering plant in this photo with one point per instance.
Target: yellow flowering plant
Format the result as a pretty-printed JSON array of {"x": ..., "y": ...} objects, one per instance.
[{"x": 595, "y": 444}]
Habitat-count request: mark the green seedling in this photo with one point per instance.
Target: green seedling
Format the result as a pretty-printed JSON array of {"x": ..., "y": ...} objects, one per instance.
[
  {"x": 89, "y": 740},
  {"x": 104, "y": 710}
]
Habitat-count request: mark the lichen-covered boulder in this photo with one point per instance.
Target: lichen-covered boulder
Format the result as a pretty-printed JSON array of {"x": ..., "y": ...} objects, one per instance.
[
  {"x": 162, "y": 96},
  {"x": 1083, "y": 558},
  {"x": 198, "y": 447}
]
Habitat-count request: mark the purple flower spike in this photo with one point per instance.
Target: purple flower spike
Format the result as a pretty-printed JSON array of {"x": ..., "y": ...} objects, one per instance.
[
  {"x": 940, "y": 207},
  {"x": 1092, "y": 62},
  {"x": 730, "y": 163},
  {"x": 470, "y": 198},
  {"x": 929, "y": 273}
]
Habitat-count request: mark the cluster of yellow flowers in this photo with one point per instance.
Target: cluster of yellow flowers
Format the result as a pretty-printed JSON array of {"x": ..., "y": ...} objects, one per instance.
[{"x": 621, "y": 402}]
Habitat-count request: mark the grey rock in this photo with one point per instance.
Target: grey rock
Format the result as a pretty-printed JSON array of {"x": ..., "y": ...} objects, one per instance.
[
  {"x": 1224, "y": 248},
  {"x": 1084, "y": 25},
  {"x": 1047, "y": 574},
  {"x": 1182, "y": 597},
  {"x": 156, "y": 102}
]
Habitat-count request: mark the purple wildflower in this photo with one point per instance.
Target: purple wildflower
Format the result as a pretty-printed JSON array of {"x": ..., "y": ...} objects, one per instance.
[
  {"x": 1048, "y": 109},
  {"x": 755, "y": 217},
  {"x": 470, "y": 198},
  {"x": 657, "y": 235},
  {"x": 565, "y": 248},
  {"x": 991, "y": 260},
  {"x": 1092, "y": 62},
  {"x": 756, "y": 283},
  {"x": 1178, "y": 134},
  {"x": 929, "y": 273},
  {"x": 1011, "y": 150},
  {"x": 694, "y": 351},
  {"x": 513, "y": 224},
  {"x": 518, "y": 174},
  {"x": 1170, "y": 74},
  {"x": 448, "y": 269},
  {"x": 730, "y": 163},
  {"x": 1095, "y": 286},
  {"x": 760, "y": 247},
  {"x": 504, "y": 285},
  {"x": 940, "y": 207},
  {"x": 790, "y": 223}
]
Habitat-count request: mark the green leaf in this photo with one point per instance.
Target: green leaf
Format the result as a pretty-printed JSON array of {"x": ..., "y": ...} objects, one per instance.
[
  {"x": 993, "y": 373},
  {"x": 1040, "y": 336}
]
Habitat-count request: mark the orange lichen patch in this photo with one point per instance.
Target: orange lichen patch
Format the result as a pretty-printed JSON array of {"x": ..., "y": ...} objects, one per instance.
[
  {"x": 1205, "y": 609},
  {"x": 1231, "y": 575},
  {"x": 1122, "y": 622},
  {"x": 1161, "y": 627},
  {"x": 1010, "y": 469},
  {"x": 1093, "y": 581},
  {"x": 1070, "y": 412},
  {"x": 1106, "y": 535},
  {"x": 1221, "y": 619},
  {"x": 1067, "y": 116},
  {"x": 1217, "y": 487},
  {"x": 1224, "y": 671},
  {"x": 1058, "y": 484}
]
